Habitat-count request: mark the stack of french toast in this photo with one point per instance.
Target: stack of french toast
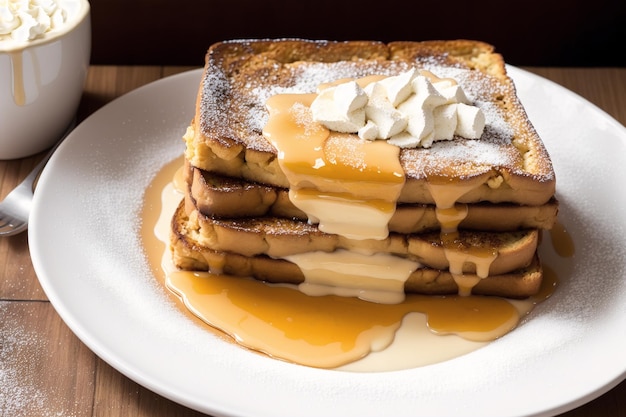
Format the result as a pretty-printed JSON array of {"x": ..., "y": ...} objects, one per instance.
[{"x": 281, "y": 190}]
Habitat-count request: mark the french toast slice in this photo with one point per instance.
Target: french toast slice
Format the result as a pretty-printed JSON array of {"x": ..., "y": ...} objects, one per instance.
[
  {"x": 508, "y": 164},
  {"x": 280, "y": 238},
  {"x": 190, "y": 252},
  {"x": 223, "y": 197}
]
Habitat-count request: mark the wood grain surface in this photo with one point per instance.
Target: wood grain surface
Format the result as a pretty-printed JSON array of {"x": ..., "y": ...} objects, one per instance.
[{"x": 46, "y": 371}]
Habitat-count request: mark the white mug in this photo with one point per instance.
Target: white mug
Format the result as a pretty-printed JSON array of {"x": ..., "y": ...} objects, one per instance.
[{"x": 41, "y": 83}]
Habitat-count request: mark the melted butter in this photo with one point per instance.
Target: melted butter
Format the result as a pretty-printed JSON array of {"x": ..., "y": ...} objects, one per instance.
[
  {"x": 378, "y": 277},
  {"x": 330, "y": 172},
  {"x": 342, "y": 214},
  {"x": 414, "y": 345},
  {"x": 323, "y": 331}
]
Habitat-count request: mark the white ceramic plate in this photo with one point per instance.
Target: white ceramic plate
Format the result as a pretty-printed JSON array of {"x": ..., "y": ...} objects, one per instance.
[{"x": 87, "y": 254}]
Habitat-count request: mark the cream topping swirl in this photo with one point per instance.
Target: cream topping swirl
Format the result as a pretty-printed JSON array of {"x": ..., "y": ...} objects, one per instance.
[
  {"x": 27, "y": 20},
  {"x": 412, "y": 109}
]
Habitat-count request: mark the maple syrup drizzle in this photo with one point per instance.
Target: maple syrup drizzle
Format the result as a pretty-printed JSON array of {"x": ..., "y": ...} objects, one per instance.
[
  {"x": 347, "y": 185},
  {"x": 562, "y": 241},
  {"x": 17, "y": 68},
  {"x": 446, "y": 192},
  {"x": 331, "y": 331},
  {"x": 325, "y": 331}
]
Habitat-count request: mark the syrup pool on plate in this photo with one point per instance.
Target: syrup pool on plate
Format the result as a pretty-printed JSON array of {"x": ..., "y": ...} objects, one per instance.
[{"x": 325, "y": 331}]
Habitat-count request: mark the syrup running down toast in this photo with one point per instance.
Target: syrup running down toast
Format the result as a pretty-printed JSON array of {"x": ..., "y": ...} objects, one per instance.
[{"x": 400, "y": 167}]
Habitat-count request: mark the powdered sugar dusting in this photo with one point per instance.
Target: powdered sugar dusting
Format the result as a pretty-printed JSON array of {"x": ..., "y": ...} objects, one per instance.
[
  {"x": 454, "y": 157},
  {"x": 21, "y": 393},
  {"x": 581, "y": 321},
  {"x": 233, "y": 109},
  {"x": 344, "y": 151},
  {"x": 113, "y": 179}
]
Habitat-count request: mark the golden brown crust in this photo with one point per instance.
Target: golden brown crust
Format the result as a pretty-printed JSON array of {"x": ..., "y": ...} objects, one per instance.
[
  {"x": 474, "y": 54},
  {"x": 225, "y": 197},
  {"x": 188, "y": 254},
  {"x": 226, "y": 133},
  {"x": 277, "y": 238},
  {"x": 237, "y": 216}
]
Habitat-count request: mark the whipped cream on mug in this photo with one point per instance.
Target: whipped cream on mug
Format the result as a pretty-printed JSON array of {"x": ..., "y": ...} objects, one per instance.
[
  {"x": 45, "y": 47},
  {"x": 28, "y": 20},
  {"x": 413, "y": 109}
]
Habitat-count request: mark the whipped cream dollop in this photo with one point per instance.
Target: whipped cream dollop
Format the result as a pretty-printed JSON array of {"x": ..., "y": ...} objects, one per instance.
[
  {"x": 409, "y": 110},
  {"x": 27, "y": 20}
]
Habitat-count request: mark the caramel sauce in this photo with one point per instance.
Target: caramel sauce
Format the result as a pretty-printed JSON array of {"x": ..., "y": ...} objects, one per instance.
[
  {"x": 362, "y": 82},
  {"x": 377, "y": 277},
  {"x": 446, "y": 192},
  {"x": 368, "y": 79},
  {"x": 434, "y": 79},
  {"x": 17, "y": 68},
  {"x": 376, "y": 204},
  {"x": 331, "y": 173},
  {"x": 562, "y": 241},
  {"x": 155, "y": 241},
  {"x": 309, "y": 153},
  {"x": 549, "y": 282},
  {"x": 326, "y": 331},
  {"x": 449, "y": 218}
]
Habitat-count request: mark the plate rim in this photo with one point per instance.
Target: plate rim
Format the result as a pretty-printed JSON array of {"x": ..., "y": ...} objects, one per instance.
[{"x": 177, "y": 395}]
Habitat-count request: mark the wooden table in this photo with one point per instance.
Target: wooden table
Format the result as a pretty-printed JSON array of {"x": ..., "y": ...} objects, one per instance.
[{"x": 46, "y": 371}]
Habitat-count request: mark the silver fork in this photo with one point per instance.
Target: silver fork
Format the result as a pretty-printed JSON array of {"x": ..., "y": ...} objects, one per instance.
[{"x": 16, "y": 206}]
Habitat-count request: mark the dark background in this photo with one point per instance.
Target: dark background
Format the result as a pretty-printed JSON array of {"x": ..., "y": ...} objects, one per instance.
[{"x": 527, "y": 33}]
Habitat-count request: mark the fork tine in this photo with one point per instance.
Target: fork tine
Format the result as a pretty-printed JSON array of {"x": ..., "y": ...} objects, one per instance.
[
  {"x": 12, "y": 227},
  {"x": 10, "y": 224},
  {"x": 8, "y": 220}
]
